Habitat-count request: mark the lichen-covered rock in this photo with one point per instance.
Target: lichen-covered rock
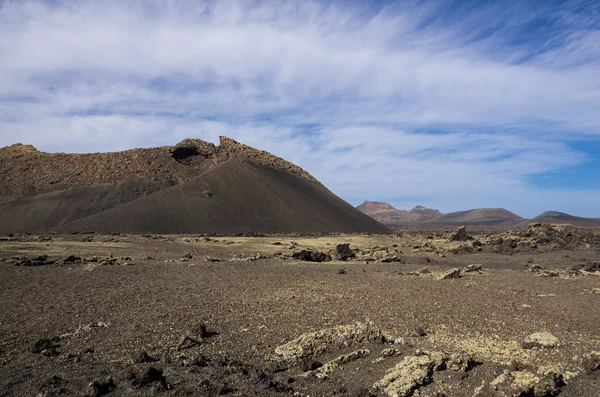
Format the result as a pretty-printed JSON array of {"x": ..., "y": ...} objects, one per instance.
[
  {"x": 452, "y": 273},
  {"x": 410, "y": 374},
  {"x": 542, "y": 340},
  {"x": 324, "y": 371},
  {"x": 592, "y": 361},
  {"x": 526, "y": 383},
  {"x": 314, "y": 343}
]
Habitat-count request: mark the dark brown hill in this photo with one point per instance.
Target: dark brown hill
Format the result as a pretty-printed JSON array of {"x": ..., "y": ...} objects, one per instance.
[{"x": 194, "y": 187}]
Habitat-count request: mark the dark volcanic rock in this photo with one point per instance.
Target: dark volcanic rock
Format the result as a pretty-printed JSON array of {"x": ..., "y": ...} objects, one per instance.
[
  {"x": 460, "y": 235},
  {"x": 344, "y": 252},
  {"x": 312, "y": 256}
]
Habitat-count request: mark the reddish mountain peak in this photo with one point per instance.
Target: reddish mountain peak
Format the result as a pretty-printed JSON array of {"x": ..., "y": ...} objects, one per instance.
[{"x": 370, "y": 206}]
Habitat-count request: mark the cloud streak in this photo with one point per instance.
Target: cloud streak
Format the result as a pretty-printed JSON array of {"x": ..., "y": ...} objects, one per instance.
[{"x": 454, "y": 105}]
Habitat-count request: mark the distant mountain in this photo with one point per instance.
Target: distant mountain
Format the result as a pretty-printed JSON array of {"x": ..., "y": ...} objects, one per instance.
[
  {"x": 479, "y": 216},
  {"x": 387, "y": 214},
  {"x": 562, "y": 218}
]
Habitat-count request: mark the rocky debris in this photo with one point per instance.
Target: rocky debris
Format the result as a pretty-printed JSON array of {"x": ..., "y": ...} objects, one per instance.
[
  {"x": 344, "y": 252},
  {"x": 450, "y": 274},
  {"x": 311, "y": 256},
  {"x": 525, "y": 383},
  {"x": 140, "y": 357},
  {"x": 540, "y": 340},
  {"x": 541, "y": 271},
  {"x": 342, "y": 271},
  {"x": 460, "y": 235},
  {"x": 34, "y": 261},
  {"x": 591, "y": 361},
  {"x": 410, "y": 374},
  {"x": 211, "y": 259},
  {"x": 100, "y": 387},
  {"x": 324, "y": 371},
  {"x": 314, "y": 343},
  {"x": 472, "y": 268},
  {"x": 424, "y": 271}
]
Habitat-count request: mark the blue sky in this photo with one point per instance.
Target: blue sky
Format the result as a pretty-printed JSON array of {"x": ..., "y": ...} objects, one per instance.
[{"x": 448, "y": 104}]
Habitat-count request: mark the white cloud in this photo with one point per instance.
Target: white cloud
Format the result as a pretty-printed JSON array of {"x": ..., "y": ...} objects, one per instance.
[{"x": 108, "y": 75}]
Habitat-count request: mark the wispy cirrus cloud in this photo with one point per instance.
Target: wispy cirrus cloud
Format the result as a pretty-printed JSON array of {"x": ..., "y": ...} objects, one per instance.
[{"x": 455, "y": 105}]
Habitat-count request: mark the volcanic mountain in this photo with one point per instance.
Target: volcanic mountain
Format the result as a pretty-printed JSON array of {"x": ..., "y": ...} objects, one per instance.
[
  {"x": 479, "y": 216},
  {"x": 389, "y": 215},
  {"x": 193, "y": 187},
  {"x": 562, "y": 218}
]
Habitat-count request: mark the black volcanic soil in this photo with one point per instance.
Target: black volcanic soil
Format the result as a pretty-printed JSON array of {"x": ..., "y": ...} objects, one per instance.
[
  {"x": 105, "y": 315},
  {"x": 193, "y": 187}
]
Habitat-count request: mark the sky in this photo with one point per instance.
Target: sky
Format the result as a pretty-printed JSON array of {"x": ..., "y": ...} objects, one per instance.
[{"x": 449, "y": 104}]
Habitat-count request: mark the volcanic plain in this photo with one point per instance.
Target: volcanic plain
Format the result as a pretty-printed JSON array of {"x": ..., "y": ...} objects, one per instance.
[{"x": 430, "y": 313}]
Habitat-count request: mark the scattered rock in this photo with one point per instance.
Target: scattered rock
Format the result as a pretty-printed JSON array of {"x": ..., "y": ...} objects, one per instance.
[
  {"x": 141, "y": 377},
  {"x": 472, "y": 268},
  {"x": 460, "y": 362},
  {"x": 72, "y": 259},
  {"x": 390, "y": 352},
  {"x": 312, "y": 256},
  {"x": 344, "y": 252},
  {"x": 424, "y": 271},
  {"x": 100, "y": 387},
  {"x": 342, "y": 271},
  {"x": 141, "y": 356},
  {"x": 47, "y": 347},
  {"x": 420, "y": 332},
  {"x": 390, "y": 259},
  {"x": 540, "y": 340},
  {"x": 187, "y": 256},
  {"x": 35, "y": 261},
  {"x": 211, "y": 259},
  {"x": 460, "y": 235},
  {"x": 450, "y": 274}
]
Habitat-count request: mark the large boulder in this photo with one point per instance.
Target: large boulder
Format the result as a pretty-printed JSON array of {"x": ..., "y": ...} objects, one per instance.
[{"x": 460, "y": 235}]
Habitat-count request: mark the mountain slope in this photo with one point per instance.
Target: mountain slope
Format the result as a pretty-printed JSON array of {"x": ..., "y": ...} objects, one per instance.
[{"x": 194, "y": 187}]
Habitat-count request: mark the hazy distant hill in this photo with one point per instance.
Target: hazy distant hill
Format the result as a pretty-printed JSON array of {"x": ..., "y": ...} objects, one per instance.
[
  {"x": 479, "y": 216},
  {"x": 562, "y": 218},
  {"x": 389, "y": 215}
]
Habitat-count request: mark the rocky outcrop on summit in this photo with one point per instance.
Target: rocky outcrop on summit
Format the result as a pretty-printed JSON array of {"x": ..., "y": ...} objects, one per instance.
[{"x": 192, "y": 187}]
